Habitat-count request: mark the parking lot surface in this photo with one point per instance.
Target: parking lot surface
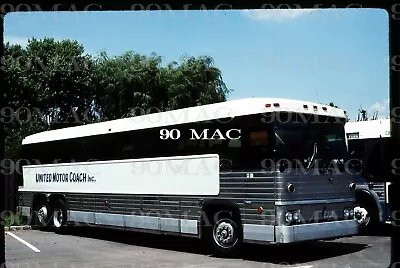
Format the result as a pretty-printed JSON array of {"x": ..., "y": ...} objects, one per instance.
[{"x": 86, "y": 247}]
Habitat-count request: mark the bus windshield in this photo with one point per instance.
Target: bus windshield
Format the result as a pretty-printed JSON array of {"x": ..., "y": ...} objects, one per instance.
[{"x": 303, "y": 142}]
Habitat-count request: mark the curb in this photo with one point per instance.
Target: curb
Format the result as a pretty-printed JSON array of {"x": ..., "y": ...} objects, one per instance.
[{"x": 17, "y": 228}]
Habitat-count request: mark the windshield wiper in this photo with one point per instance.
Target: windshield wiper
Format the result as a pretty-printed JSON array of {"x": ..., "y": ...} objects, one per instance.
[
  {"x": 279, "y": 138},
  {"x": 313, "y": 156}
]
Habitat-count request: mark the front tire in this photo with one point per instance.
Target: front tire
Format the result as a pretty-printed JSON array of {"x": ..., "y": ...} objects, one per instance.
[
  {"x": 224, "y": 236},
  {"x": 367, "y": 217}
]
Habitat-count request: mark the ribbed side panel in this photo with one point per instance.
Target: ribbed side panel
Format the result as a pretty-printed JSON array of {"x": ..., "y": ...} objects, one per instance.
[
  {"x": 259, "y": 194},
  {"x": 379, "y": 189},
  {"x": 133, "y": 205},
  {"x": 82, "y": 202},
  {"x": 248, "y": 190},
  {"x": 190, "y": 208},
  {"x": 309, "y": 186}
]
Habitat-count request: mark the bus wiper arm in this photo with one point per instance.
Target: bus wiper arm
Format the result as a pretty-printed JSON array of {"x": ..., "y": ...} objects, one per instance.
[
  {"x": 279, "y": 138},
  {"x": 313, "y": 156}
]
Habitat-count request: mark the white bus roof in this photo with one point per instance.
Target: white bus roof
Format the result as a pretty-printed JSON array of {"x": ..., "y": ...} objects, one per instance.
[
  {"x": 368, "y": 129},
  {"x": 225, "y": 109}
]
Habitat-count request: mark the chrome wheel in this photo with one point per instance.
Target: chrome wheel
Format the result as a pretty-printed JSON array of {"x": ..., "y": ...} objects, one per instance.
[
  {"x": 362, "y": 215},
  {"x": 58, "y": 218},
  {"x": 224, "y": 233},
  {"x": 42, "y": 215}
]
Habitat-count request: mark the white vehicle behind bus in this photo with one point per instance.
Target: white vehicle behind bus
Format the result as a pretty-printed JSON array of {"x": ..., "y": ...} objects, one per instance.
[{"x": 369, "y": 142}]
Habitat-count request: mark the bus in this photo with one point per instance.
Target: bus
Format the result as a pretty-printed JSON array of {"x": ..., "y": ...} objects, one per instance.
[
  {"x": 256, "y": 170},
  {"x": 369, "y": 143}
]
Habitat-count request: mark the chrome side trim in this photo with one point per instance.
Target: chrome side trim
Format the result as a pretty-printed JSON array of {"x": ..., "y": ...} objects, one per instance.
[
  {"x": 110, "y": 219},
  {"x": 189, "y": 226},
  {"x": 314, "y": 201},
  {"x": 316, "y": 231},
  {"x": 80, "y": 216},
  {"x": 253, "y": 232},
  {"x": 134, "y": 221},
  {"x": 170, "y": 225},
  {"x": 143, "y": 222}
]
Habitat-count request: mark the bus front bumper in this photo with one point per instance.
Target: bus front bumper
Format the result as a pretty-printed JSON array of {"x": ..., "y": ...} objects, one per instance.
[{"x": 315, "y": 231}]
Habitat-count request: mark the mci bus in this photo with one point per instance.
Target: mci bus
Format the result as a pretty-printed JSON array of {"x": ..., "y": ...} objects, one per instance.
[
  {"x": 369, "y": 143},
  {"x": 256, "y": 170}
]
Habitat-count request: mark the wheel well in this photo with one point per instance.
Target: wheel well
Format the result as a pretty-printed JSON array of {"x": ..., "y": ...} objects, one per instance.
[
  {"x": 38, "y": 198},
  {"x": 210, "y": 207},
  {"x": 55, "y": 197},
  {"x": 366, "y": 198}
]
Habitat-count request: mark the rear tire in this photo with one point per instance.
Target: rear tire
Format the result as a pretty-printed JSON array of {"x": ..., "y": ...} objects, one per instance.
[
  {"x": 59, "y": 216},
  {"x": 43, "y": 215},
  {"x": 224, "y": 236}
]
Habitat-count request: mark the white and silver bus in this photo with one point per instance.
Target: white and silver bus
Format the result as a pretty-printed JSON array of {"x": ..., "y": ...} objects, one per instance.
[
  {"x": 369, "y": 143},
  {"x": 255, "y": 170}
]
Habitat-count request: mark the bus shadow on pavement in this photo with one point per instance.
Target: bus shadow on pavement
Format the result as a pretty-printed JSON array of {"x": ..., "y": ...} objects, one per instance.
[
  {"x": 276, "y": 254},
  {"x": 300, "y": 253}
]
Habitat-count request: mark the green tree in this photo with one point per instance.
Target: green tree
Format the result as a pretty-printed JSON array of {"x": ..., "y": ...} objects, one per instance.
[
  {"x": 60, "y": 76},
  {"x": 54, "y": 84},
  {"x": 196, "y": 81},
  {"x": 127, "y": 81},
  {"x": 48, "y": 85},
  {"x": 132, "y": 81}
]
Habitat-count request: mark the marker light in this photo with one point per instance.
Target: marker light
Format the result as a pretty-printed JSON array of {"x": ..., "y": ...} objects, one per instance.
[
  {"x": 351, "y": 212},
  {"x": 276, "y": 104},
  {"x": 268, "y": 105},
  {"x": 296, "y": 216},
  {"x": 346, "y": 213},
  {"x": 324, "y": 108},
  {"x": 352, "y": 186}
]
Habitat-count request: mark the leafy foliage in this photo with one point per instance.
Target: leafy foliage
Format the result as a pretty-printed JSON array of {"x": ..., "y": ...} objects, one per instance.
[{"x": 54, "y": 84}]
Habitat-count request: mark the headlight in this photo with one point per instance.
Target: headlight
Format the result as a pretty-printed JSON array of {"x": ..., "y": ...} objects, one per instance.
[
  {"x": 346, "y": 213},
  {"x": 288, "y": 217},
  {"x": 296, "y": 216},
  {"x": 351, "y": 212}
]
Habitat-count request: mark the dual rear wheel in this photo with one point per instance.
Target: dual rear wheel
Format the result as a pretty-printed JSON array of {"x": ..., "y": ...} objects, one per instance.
[{"x": 51, "y": 215}]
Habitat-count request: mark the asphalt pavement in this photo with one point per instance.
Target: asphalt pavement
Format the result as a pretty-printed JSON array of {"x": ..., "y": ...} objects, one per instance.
[{"x": 84, "y": 247}]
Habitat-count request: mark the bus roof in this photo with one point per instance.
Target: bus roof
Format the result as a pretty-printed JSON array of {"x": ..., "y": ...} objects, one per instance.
[
  {"x": 225, "y": 109},
  {"x": 368, "y": 129}
]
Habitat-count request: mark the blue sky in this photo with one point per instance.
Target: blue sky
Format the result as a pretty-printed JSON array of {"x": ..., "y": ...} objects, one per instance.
[{"x": 320, "y": 55}]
